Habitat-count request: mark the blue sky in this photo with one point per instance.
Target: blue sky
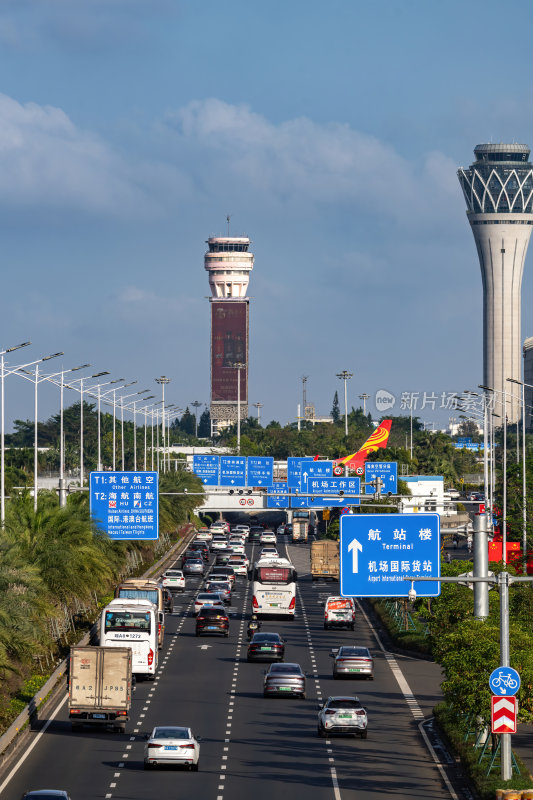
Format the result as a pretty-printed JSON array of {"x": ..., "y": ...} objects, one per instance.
[{"x": 331, "y": 133}]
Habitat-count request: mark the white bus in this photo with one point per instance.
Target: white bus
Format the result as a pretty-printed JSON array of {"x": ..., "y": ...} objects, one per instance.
[
  {"x": 274, "y": 587},
  {"x": 134, "y": 624}
]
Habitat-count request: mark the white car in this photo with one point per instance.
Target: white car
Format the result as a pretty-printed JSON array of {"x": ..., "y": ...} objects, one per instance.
[
  {"x": 219, "y": 542},
  {"x": 236, "y": 547},
  {"x": 173, "y": 579},
  {"x": 240, "y": 563},
  {"x": 339, "y": 612},
  {"x": 207, "y": 599},
  {"x": 343, "y": 715},
  {"x": 170, "y": 744},
  {"x": 269, "y": 552},
  {"x": 204, "y": 535},
  {"x": 267, "y": 537}
]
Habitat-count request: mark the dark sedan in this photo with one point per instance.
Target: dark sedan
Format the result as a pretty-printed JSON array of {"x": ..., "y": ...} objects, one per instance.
[
  {"x": 266, "y": 647},
  {"x": 212, "y": 620}
]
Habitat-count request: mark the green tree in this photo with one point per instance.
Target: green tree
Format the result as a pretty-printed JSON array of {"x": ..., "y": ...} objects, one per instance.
[
  {"x": 335, "y": 409},
  {"x": 204, "y": 425}
]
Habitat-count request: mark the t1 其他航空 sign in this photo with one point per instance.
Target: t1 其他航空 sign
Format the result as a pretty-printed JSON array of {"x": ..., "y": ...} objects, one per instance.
[{"x": 125, "y": 504}]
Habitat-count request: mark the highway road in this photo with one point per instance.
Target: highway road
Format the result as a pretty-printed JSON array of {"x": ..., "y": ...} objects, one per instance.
[{"x": 253, "y": 748}]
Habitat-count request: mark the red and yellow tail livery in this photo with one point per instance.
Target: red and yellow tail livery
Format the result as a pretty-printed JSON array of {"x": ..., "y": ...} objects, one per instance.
[{"x": 377, "y": 440}]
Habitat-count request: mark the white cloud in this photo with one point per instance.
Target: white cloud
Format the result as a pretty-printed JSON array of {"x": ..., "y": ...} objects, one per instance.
[
  {"x": 301, "y": 161},
  {"x": 47, "y": 162}
]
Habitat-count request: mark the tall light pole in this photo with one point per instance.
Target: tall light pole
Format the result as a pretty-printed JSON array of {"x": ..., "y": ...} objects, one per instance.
[
  {"x": 196, "y": 405},
  {"x": 163, "y": 381},
  {"x": 364, "y": 397},
  {"x": 3, "y": 374},
  {"x": 259, "y": 406},
  {"x": 99, "y": 465},
  {"x": 238, "y": 365},
  {"x": 144, "y": 411},
  {"x": 62, "y": 487},
  {"x": 345, "y": 376},
  {"x": 124, "y": 386},
  {"x": 70, "y": 385},
  {"x": 504, "y": 487},
  {"x": 524, "y": 496},
  {"x": 122, "y": 398}
]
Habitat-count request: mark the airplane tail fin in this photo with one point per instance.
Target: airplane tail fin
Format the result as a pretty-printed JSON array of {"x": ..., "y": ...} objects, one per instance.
[{"x": 378, "y": 439}]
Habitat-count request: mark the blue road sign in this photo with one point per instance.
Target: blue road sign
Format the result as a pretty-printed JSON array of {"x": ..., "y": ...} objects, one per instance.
[
  {"x": 320, "y": 488},
  {"x": 504, "y": 681},
  {"x": 299, "y": 502},
  {"x": 387, "y": 471},
  {"x": 278, "y": 495},
  {"x": 294, "y": 471},
  {"x": 207, "y": 469},
  {"x": 126, "y": 504},
  {"x": 232, "y": 471},
  {"x": 315, "y": 469},
  {"x": 377, "y": 551},
  {"x": 260, "y": 470}
]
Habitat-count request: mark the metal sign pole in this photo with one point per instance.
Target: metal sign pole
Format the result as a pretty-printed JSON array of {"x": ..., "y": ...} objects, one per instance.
[{"x": 505, "y": 741}]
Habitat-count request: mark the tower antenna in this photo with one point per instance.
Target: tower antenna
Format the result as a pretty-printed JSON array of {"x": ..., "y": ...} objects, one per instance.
[{"x": 228, "y": 217}]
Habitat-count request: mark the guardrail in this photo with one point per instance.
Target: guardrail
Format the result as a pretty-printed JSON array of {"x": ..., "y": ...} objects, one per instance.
[{"x": 40, "y": 698}]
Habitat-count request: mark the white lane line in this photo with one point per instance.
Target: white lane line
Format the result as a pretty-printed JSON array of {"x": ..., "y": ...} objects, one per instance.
[
  {"x": 116, "y": 775},
  {"x": 30, "y": 748},
  {"x": 335, "y": 783},
  {"x": 411, "y": 701}
]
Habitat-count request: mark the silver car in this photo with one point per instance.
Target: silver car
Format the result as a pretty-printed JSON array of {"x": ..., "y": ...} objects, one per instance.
[
  {"x": 284, "y": 679},
  {"x": 352, "y": 662},
  {"x": 343, "y": 715}
]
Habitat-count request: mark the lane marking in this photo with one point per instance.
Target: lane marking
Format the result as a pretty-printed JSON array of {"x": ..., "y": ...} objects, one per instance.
[{"x": 35, "y": 741}]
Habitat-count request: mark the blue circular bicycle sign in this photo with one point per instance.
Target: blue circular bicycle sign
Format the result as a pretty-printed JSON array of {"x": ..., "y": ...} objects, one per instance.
[{"x": 504, "y": 681}]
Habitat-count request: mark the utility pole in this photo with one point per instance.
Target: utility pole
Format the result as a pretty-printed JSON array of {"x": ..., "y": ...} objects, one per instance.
[
  {"x": 196, "y": 405},
  {"x": 238, "y": 365},
  {"x": 345, "y": 376},
  {"x": 163, "y": 380},
  {"x": 259, "y": 406}
]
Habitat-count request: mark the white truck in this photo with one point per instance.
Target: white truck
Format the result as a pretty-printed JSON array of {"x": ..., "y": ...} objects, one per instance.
[{"x": 99, "y": 687}]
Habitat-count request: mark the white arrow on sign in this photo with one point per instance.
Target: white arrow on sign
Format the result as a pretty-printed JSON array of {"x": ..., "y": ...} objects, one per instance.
[
  {"x": 355, "y": 547},
  {"x": 204, "y": 646},
  {"x": 305, "y": 474}
]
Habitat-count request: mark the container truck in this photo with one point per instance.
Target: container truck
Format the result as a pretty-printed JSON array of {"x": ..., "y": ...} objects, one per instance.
[
  {"x": 99, "y": 687},
  {"x": 325, "y": 559}
]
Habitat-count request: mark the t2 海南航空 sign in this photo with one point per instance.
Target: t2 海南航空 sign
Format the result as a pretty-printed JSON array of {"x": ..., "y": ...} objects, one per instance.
[
  {"x": 125, "y": 504},
  {"x": 378, "y": 551}
]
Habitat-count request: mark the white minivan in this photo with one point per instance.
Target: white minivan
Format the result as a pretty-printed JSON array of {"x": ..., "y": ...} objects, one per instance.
[{"x": 134, "y": 624}]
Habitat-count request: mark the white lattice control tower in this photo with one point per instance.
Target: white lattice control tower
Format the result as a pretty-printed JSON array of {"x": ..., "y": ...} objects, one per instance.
[{"x": 498, "y": 188}]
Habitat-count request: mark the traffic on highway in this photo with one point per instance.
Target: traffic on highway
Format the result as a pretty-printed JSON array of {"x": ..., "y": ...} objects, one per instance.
[{"x": 251, "y": 686}]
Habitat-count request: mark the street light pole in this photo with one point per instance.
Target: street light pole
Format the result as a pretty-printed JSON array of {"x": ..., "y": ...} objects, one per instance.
[
  {"x": 196, "y": 405},
  {"x": 99, "y": 465},
  {"x": 524, "y": 495},
  {"x": 62, "y": 487},
  {"x": 238, "y": 365},
  {"x": 345, "y": 376},
  {"x": 3, "y": 423},
  {"x": 364, "y": 397},
  {"x": 259, "y": 406},
  {"x": 162, "y": 381}
]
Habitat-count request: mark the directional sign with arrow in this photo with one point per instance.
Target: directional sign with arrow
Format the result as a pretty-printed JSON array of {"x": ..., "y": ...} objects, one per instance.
[
  {"x": 232, "y": 471},
  {"x": 206, "y": 468},
  {"x": 260, "y": 470},
  {"x": 377, "y": 551}
]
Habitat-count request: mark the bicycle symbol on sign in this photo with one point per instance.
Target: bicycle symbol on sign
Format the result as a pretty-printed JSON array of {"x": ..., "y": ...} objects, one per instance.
[{"x": 504, "y": 681}]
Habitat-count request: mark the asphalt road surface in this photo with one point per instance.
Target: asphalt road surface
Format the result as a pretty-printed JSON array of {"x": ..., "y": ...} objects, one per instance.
[{"x": 252, "y": 747}]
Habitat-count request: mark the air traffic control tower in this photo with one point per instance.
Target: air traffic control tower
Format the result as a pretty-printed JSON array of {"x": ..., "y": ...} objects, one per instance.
[
  {"x": 498, "y": 188},
  {"x": 229, "y": 263}
]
